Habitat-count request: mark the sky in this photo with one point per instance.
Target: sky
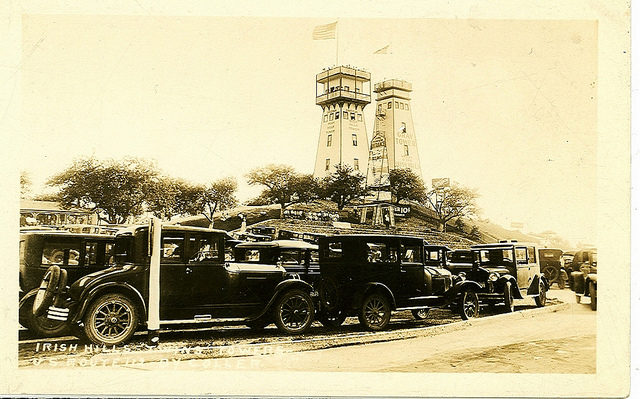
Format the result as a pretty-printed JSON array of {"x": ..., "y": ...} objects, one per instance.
[{"x": 507, "y": 107}]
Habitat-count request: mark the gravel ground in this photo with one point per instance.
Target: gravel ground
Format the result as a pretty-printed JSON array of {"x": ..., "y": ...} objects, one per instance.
[{"x": 232, "y": 341}]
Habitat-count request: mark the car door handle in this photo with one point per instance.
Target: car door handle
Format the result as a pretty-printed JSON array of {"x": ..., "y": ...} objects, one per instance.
[{"x": 188, "y": 270}]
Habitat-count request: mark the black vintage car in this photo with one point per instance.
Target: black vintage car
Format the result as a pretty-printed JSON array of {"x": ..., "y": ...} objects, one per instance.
[
  {"x": 371, "y": 275},
  {"x": 508, "y": 270},
  {"x": 459, "y": 260},
  {"x": 552, "y": 266},
  {"x": 196, "y": 285},
  {"x": 584, "y": 276},
  {"x": 295, "y": 256},
  {"x": 77, "y": 254}
]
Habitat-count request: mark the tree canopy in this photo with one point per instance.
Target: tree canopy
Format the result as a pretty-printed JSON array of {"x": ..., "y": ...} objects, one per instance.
[
  {"x": 217, "y": 196},
  {"x": 344, "y": 186},
  {"x": 283, "y": 185},
  {"x": 452, "y": 202},
  {"x": 404, "y": 184},
  {"x": 117, "y": 188}
]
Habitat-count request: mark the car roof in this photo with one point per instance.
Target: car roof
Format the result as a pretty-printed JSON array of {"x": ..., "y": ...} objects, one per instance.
[
  {"x": 287, "y": 244},
  {"x": 65, "y": 233},
  {"x": 429, "y": 246},
  {"x": 354, "y": 236},
  {"x": 510, "y": 244},
  {"x": 174, "y": 227}
]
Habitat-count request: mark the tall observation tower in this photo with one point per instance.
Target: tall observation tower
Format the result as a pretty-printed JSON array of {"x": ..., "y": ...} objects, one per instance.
[
  {"x": 393, "y": 145},
  {"x": 342, "y": 92}
]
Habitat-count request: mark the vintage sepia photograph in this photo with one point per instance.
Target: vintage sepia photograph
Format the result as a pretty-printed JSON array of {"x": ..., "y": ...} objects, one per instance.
[{"x": 403, "y": 201}]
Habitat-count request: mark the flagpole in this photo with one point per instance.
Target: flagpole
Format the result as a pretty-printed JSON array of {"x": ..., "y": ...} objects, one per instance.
[{"x": 337, "y": 40}]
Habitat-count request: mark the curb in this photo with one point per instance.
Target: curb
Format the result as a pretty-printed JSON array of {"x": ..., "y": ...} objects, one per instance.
[{"x": 124, "y": 358}]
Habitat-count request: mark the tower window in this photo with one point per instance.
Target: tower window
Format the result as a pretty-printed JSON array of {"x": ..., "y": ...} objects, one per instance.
[
  {"x": 354, "y": 138},
  {"x": 360, "y": 117},
  {"x": 389, "y": 105},
  {"x": 401, "y": 105},
  {"x": 397, "y": 105},
  {"x": 403, "y": 127},
  {"x": 406, "y": 106},
  {"x": 406, "y": 150},
  {"x": 329, "y": 139},
  {"x": 327, "y": 162},
  {"x": 331, "y": 116},
  {"x": 337, "y": 115},
  {"x": 326, "y": 117},
  {"x": 356, "y": 164},
  {"x": 379, "y": 107},
  {"x": 345, "y": 115},
  {"x": 353, "y": 116}
]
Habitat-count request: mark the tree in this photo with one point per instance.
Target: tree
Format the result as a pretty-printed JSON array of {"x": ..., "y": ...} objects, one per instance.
[
  {"x": 404, "y": 184},
  {"x": 459, "y": 224},
  {"x": 452, "y": 202},
  {"x": 344, "y": 186},
  {"x": 25, "y": 184},
  {"x": 169, "y": 197},
  {"x": 283, "y": 185},
  {"x": 217, "y": 196},
  {"x": 117, "y": 188}
]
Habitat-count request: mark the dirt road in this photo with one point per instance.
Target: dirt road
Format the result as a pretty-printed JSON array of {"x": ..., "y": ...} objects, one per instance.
[{"x": 546, "y": 343}]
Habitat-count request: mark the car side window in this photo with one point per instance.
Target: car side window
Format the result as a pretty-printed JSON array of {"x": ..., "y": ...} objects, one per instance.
[
  {"x": 172, "y": 247},
  {"x": 531, "y": 252},
  {"x": 381, "y": 252},
  {"x": 334, "y": 250},
  {"x": 291, "y": 257},
  {"x": 521, "y": 255},
  {"x": 90, "y": 253},
  {"x": 109, "y": 258},
  {"x": 203, "y": 248},
  {"x": 411, "y": 254},
  {"x": 61, "y": 253}
]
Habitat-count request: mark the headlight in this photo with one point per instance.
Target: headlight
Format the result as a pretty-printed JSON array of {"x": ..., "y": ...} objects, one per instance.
[{"x": 493, "y": 276}]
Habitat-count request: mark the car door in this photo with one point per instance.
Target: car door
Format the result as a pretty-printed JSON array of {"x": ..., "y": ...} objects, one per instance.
[
  {"x": 206, "y": 275},
  {"x": 412, "y": 277},
  {"x": 382, "y": 263},
  {"x": 523, "y": 269},
  {"x": 176, "y": 295},
  {"x": 534, "y": 265}
]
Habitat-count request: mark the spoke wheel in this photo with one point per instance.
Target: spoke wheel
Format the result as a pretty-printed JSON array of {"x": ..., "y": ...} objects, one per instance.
[
  {"x": 111, "y": 320},
  {"x": 551, "y": 273},
  {"x": 469, "y": 305},
  {"x": 375, "y": 313},
  {"x": 420, "y": 314},
  {"x": 294, "y": 312},
  {"x": 508, "y": 298},
  {"x": 541, "y": 299}
]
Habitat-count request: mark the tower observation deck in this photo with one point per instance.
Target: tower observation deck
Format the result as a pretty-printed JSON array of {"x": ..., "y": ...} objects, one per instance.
[{"x": 342, "y": 92}]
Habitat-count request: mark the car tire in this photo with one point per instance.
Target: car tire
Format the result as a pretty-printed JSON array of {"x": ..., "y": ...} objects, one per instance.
[
  {"x": 112, "y": 319},
  {"x": 375, "y": 312},
  {"x": 47, "y": 291},
  {"x": 469, "y": 306},
  {"x": 541, "y": 299},
  {"x": 332, "y": 320},
  {"x": 420, "y": 314},
  {"x": 594, "y": 296},
  {"x": 293, "y": 312},
  {"x": 41, "y": 326},
  {"x": 508, "y": 298}
]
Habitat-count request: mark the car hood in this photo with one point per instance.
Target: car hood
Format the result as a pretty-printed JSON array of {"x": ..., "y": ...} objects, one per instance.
[{"x": 437, "y": 271}]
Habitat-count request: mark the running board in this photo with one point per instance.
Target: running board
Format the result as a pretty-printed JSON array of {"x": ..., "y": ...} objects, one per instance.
[{"x": 203, "y": 320}]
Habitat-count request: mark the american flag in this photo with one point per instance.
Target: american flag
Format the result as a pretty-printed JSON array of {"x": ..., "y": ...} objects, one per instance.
[{"x": 324, "y": 32}]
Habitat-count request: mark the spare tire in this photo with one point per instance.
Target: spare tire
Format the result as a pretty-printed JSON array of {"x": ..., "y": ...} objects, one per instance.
[{"x": 47, "y": 291}]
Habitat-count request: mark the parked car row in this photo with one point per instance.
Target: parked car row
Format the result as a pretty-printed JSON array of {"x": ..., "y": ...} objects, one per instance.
[{"x": 97, "y": 287}]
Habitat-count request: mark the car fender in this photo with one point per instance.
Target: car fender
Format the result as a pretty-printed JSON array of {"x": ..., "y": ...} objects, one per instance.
[
  {"x": 370, "y": 287},
  {"x": 460, "y": 286},
  {"x": 592, "y": 278},
  {"x": 113, "y": 286},
  {"x": 507, "y": 278},
  {"x": 280, "y": 288}
]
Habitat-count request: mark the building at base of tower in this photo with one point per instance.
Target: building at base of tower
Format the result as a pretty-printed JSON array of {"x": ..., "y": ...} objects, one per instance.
[
  {"x": 343, "y": 93},
  {"x": 393, "y": 144}
]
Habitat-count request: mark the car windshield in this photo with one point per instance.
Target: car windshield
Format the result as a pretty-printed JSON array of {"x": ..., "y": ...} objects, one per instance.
[
  {"x": 496, "y": 257},
  {"x": 461, "y": 257}
]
